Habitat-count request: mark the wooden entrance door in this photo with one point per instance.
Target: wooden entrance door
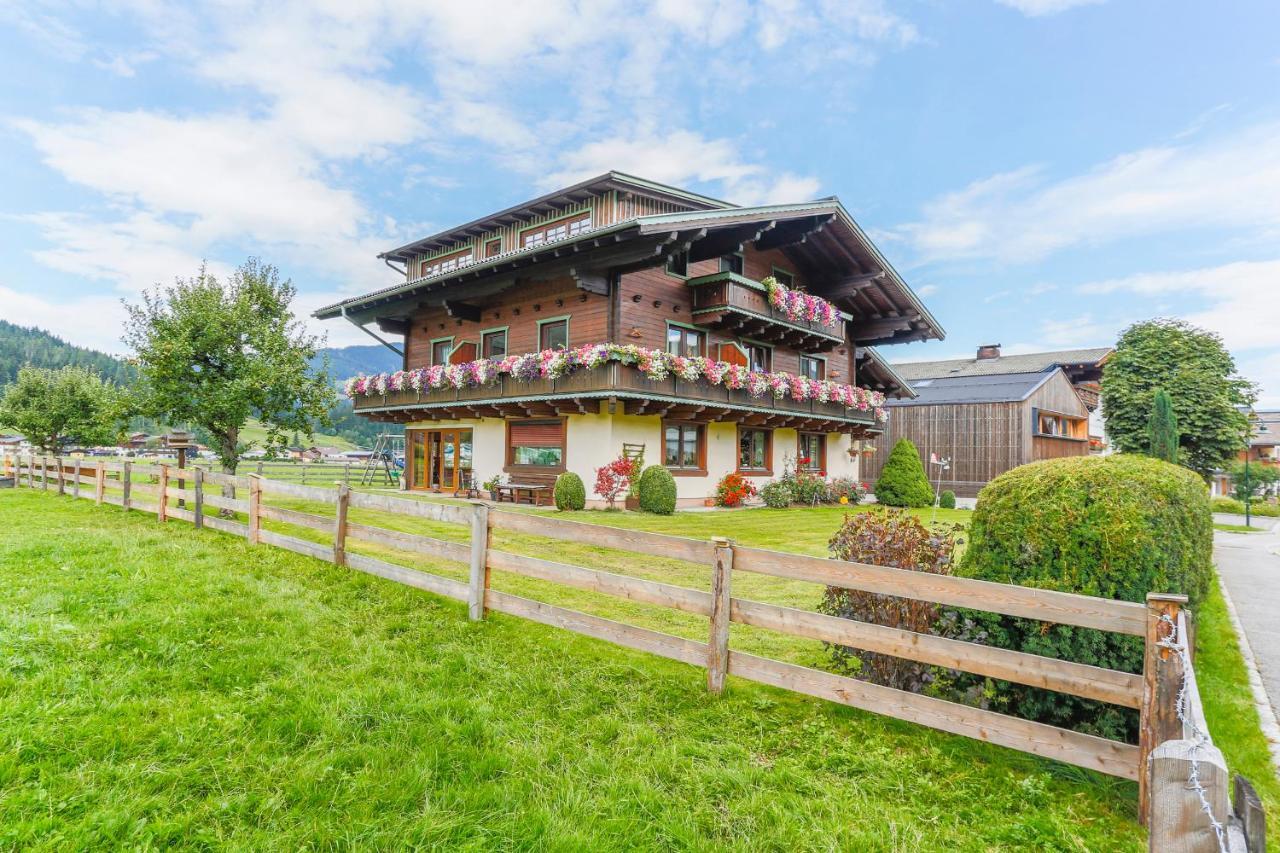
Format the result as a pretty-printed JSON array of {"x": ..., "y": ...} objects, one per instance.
[{"x": 439, "y": 458}]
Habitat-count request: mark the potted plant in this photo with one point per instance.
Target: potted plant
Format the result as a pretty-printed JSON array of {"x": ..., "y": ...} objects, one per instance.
[{"x": 491, "y": 486}]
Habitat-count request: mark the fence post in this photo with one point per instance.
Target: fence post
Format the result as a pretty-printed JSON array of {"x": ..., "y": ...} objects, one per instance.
[
  {"x": 340, "y": 526},
  {"x": 718, "y": 647},
  {"x": 126, "y": 485},
  {"x": 479, "y": 559},
  {"x": 44, "y": 473},
  {"x": 1248, "y": 808},
  {"x": 57, "y": 463},
  {"x": 1161, "y": 684},
  {"x": 75, "y": 482},
  {"x": 346, "y": 473},
  {"x": 162, "y": 511},
  {"x": 197, "y": 484},
  {"x": 255, "y": 507},
  {"x": 99, "y": 483}
]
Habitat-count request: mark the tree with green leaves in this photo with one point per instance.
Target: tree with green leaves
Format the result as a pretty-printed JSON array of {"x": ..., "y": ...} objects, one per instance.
[
  {"x": 1162, "y": 428},
  {"x": 1198, "y": 374},
  {"x": 902, "y": 480},
  {"x": 214, "y": 355},
  {"x": 1253, "y": 481},
  {"x": 70, "y": 405}
]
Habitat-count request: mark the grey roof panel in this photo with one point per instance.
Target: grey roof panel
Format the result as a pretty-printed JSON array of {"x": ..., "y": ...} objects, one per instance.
[
  {"x": 1037, "y": 362},
  {"x": 1003, "y": 388}
]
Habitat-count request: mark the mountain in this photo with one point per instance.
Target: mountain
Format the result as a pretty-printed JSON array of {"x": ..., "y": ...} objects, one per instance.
[
  {"x": 20, "y": 345},
  {"x": 345, "y": 362}
]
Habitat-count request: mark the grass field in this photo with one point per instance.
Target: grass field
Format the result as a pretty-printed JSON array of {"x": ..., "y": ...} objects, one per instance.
[
  {"x": 164, "y": 687},
  {"x": 1236, "y": 528}
]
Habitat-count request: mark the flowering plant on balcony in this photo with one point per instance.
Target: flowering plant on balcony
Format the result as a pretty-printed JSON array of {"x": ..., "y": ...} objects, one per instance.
[
  {"x": 656, "y": 365},
  {"x": 798, "y": 305}
]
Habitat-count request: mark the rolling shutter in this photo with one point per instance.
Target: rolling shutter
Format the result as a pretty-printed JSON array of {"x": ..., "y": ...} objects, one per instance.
[{"x": 537, "y": 434}]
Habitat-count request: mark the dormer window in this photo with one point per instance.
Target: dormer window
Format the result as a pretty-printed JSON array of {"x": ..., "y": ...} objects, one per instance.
[
  {"x": 560, "y": 229},
  {"x": 493, "y": 247},
  {"x": 447, "y": 263}
]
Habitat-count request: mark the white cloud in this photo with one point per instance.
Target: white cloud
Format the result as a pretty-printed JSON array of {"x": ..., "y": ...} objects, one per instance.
[
  {"x": 927, "y": 290},
  {"x": 1041, "y": 8},
  {"x": 1228, "y": 182}
]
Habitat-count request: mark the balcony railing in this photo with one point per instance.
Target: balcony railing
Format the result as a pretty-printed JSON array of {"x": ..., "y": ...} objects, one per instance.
[
  {"x": 729, "y": 300},
  {"x": 610, "y": 380}
]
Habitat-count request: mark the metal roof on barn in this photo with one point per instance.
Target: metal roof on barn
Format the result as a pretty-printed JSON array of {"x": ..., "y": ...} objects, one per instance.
[
  {"x": 1002, "y": 388},
  {"x": 1036, "y": 362}
]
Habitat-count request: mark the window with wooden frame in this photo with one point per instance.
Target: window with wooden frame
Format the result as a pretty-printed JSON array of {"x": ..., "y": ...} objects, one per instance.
[
  {"x": 493, "y": 247},
  {"x": 1059, "y": 426},
  {"x": 786, "y": 278},
  {"x": 553, "y": 333},
  {"x": 811, "y": 452},
  {"x": 678, "y": 264},
  {"x": 759, "y": 357},
  {"x": 493, "y": 343},
  {"x": 447, "y": 263},
  {"x": 536, "y": 443},
  {"x": 560, "y": 229},
  {"x": 684, "y": 447},
  {"x": 812, "y": 367},
  {"x": 731, "y": 263},
  {"x": 684, "y": 341},
  {"x": 755, "y": 450},
  {"x": 440, "y": 349}
]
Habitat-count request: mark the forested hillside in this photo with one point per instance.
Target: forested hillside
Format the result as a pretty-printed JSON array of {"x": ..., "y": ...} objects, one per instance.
[
  {"x": 20, "y": 345},
  {"x": 345, "y": 362}
]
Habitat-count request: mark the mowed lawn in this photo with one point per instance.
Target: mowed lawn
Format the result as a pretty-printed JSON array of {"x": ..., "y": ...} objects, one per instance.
[{"x": 169, "y": 687}]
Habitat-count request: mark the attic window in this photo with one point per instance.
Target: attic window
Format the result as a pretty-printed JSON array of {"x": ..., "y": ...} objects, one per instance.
[
  {"x": 558, "y": 230},
  {"x": 447, "y": 263}
]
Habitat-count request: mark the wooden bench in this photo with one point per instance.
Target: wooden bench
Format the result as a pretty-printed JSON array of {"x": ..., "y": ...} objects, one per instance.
[{"x": 515, "y": 491}]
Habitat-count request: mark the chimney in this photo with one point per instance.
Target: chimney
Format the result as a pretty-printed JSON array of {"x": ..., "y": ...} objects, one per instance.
[{"x": 987, "y": 351}]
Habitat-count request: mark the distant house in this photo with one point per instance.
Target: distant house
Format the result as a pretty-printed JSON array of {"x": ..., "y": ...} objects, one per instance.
[
  {"x": 14, "y": 444},
  {"x": 992, "y": 413},
  {"x": 137, "y": 441},
  {"x": 1264, "y": 449}
]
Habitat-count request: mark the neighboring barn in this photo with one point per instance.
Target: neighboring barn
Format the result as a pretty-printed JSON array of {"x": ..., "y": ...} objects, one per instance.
[{"x": 986, "y": 424}]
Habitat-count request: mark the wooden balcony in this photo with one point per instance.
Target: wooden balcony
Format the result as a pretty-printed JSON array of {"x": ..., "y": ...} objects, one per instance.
[
  {"x": 624, "y": 389},
  {"x": 740, "y": 306}
]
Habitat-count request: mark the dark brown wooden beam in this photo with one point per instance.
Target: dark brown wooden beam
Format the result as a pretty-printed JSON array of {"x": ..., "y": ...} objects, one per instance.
[
  {"x": 728, "y": 241},
  {"x": 790, "y": 233}
]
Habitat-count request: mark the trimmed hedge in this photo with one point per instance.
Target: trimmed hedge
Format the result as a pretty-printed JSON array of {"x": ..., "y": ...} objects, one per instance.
[
  {"x": 1256, "y": 507},
  {"x": 902, "y": 480},
  {"x": 657, "y": 490},
  {"x": 570, "y": 492},
  {"x": 1111, "y": 526},
  {"x": 947, "y": 500}
]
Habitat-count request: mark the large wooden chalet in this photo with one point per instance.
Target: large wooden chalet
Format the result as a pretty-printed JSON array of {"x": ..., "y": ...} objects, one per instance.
[{"x": 622, "y": 260}]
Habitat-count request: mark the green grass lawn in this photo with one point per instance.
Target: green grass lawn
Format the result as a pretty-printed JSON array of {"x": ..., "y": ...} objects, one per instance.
[
  {"x": 164, "y": 686},
  {"x": 1236, "y": 528}
]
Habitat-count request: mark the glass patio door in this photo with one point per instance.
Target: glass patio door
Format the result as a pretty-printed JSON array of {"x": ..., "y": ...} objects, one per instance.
[{"x": 441, "y": 459}]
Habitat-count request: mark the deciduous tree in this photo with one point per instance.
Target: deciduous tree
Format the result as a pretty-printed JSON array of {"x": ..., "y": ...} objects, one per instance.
[
  {"x": 70, "y": 405},
  {"x": 216, "y": 354},
  {"x": 1198, "y": 373}
]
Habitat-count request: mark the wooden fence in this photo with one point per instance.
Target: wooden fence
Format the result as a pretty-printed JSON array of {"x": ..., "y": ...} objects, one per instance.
[{"x": 1182, "y": 779}]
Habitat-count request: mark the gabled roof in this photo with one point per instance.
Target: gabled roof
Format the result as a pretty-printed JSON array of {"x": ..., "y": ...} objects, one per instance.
[
  {"x": 1036, "y": 363},
  {"x": 1003, "y": 388}
]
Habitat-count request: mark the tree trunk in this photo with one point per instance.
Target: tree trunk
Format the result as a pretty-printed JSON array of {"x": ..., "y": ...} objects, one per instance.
[{"x": 230, "y": 460}]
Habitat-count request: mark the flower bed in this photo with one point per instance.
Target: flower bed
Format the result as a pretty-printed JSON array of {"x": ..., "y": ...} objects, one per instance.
[
  {"x": 654, "y": 364},
  {"x": 798, "y": 305}
]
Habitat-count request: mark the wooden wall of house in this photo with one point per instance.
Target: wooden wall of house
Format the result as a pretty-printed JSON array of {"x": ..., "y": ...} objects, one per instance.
[
  {"x": 982, "y": 440},
  {"x": 1059, "y": 396},
  {"x": 519, "y": 309}
]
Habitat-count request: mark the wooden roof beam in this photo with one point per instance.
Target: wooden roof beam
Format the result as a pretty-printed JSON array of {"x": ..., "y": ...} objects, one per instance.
[
  {"x": 789, "y": 234},
  {"x": 462, "y": 310},
  {"x": 730, "y": 240}
]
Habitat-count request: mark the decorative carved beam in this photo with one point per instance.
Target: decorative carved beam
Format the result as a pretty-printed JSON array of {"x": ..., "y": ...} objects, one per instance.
[
  {"x": 791, "y": 233},
  {"x": 728, "y": 241},
  {"x": 590, "y": 280},
  {"x": 462, "y": 310}
]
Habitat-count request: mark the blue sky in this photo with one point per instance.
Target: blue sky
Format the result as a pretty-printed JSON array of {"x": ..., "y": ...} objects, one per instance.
[{"x": 1044, "y": 172}]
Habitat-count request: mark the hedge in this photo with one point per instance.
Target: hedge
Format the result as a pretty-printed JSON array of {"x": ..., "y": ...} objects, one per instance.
[
  {"x": 1115, "y": 526},
  {"x": 902, "y": 479},
  {"x": 570, "y": 492},
  {"x": 657, "y": 490}
]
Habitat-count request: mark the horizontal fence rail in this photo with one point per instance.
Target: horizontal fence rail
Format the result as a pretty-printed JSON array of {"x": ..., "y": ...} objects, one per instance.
[{"x": 1172, "y": 728}]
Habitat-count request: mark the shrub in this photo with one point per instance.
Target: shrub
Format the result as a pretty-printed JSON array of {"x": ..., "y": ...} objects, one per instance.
[
  {"x": 845, "y": 487},
  {"x": 776, "y": 494},
  {"x": 808, "y": 488},
  {"x": 733, "y": 490},
  {"x": 613, "y": 479},
  {"x": 657, "y": 490},
  {"x": 887, "y": 538},
  {"x": 1232, "y": 505},
  {"x": 947, "y": 500},
  {"x": 1112, "y": 526},
  {"x": 902, "y": 480},
  {"x": 569, "y": 492}
]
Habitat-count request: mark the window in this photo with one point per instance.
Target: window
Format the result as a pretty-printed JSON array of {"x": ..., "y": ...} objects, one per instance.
[
  {"x": 784, "y": 277},
  {"x": 558, "y": 230},
  {"x": 493, "y": 344},
  {"x": 539, "y": 443},
  {"x": 812, "y": 368},
  {"x": 685, "y": 342},
  {"x": 1057, "y": 425},
  {"x": 493, "y": 247},
  {"x": 754, "y": 450},
  {"x": 759, "y": 358},
  {"x": 447, "y": 263},
  {"x": 683, "y": 446},
  {"x": 678, "y": 264},
  {"x": 553, "y": 334},
  {"x": 731, "y": 263},
  {"x": 440, "y": 350},
  {"x": 812, "y": 452}
]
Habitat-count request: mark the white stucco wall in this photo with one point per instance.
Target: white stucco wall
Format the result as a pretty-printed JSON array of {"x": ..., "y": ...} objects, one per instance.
[{"x": 593, "y": 440}]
